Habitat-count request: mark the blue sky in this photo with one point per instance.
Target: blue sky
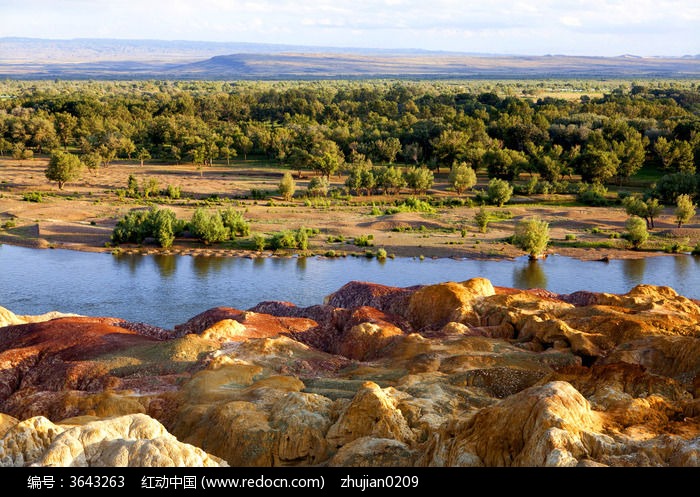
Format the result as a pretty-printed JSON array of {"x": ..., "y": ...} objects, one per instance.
[{"x": 572, "y": 27}]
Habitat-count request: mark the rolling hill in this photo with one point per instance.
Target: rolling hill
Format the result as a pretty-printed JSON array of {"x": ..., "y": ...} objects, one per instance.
[{"x": 28, "y": 58}]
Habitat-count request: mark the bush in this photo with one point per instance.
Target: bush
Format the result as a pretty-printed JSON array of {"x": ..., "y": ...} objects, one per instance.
[
  {"x": 363, "y": 241},
  {"x": 173, "y": 192},
  {"x": 593, "y": 195},
  {"x": 411, "y": 204},
  {"x": 532, "y": 236},
  {"x": 208, "y": 227},
  {"x": 499, "y": 192},
  {"x": 318, "y": 186},
  {"x": 287, "y": 186},
  {"x": 482, "y": 218},
  {"x": 32, "y": 197},
  {"x": 132, "y": 187},
  {"x": 696, "y": 250},
  {"x": 260, "y": 242},
  {"x": 291, "y": 239},
  {"x": 131, "y": 228},
  {"x": 381, "y": 254},
  {"x": 164, "y": 225},
  {"x": 137, "y": 225},
  {"x": 234, "y": 221},
  {"x": 151, "y": 188},
  {"x": 570, "y": 237},
  {"x": 258, "y": 194},
  {"x": 637, "y": 233}
]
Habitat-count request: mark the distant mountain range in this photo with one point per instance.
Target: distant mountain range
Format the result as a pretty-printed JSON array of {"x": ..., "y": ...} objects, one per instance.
[{"x": 32, "y": 58}]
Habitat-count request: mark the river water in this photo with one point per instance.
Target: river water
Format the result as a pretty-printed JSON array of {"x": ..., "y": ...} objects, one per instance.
[{"x": 168, "y": 290}]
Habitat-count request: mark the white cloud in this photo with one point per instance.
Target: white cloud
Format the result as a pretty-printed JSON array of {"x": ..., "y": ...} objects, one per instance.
[{"x": 545, "y": 26}]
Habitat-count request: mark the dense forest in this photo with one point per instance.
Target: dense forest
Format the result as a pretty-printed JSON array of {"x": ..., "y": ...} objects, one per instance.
[{"x": 606, "y": 135}]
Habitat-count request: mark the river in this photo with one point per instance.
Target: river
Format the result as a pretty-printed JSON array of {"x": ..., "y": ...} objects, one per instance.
[{"x": 168, "y": 290}]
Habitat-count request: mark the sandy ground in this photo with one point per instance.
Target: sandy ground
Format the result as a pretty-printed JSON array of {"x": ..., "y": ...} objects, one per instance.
[{"x": 83, "y": 214}]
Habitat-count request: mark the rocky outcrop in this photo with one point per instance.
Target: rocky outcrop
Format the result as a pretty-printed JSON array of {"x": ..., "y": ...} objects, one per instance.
[
  {"x": 451, "y": 374},
  {"x": 133, "y": 440}
]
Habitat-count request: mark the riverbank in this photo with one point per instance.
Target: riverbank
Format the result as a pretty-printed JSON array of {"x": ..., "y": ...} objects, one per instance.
[{"x": 83, "y": 215}]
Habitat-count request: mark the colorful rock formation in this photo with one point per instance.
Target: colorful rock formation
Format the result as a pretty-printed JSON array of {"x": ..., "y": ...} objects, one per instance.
[{"x": 452, "y": 374}]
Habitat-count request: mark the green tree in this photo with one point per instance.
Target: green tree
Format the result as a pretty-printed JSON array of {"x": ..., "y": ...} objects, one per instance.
[
  {"x": 63, "y": 167},
  {"x": 504, "y": 164},
  {"x": 419, "y": 179},
  {"x": 287, "y": 186},
  {"x": 92, "y": 161},
  {"x": 143, "y": 155},
  {"x": 461, "y": 177},
  {"x": 391, "y": 180},
  {"x": 65, "y": 124},
  {"x": 499, "y": 191},
  {"x": 597, "y": 166},
  {"x": 482, "y": 218},
  {"x": 388, "y": 149},
  {"x": 532, "y": 236},
  {"x": 637, "y": 233},
  {"x": 685, "y": 209},
  {"x": 670, "y": 186},
  {"x": 631, "y": 154}
]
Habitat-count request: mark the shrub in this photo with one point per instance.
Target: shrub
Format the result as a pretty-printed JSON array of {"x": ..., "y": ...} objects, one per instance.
[
  {"x": 499, "y": 192},
  {"x": 151, "y": 188},
  {"x": 234, "y": 221},
  {"x": 163, "y": 224},
  {"x": 173, "y": 192},
  {"x": 411, "y": 204},
  {"x": 570, "y": 237},
  {"x": 637, "y": 233},
  {"x": 32, "y": 197},
  {"x": 260, "y": 242},
  {"x": 363, "y": 241},
  {"x": 318, "y": 186},
  {"x": 381, "y": 254},
  {"x": 131, "y": 228},
  {"x": 285, "y": 239},
  {"x": 696, "y": 250},
  {"x": 258, "y": 194},
  {"x": 482, "y": 218},
  {"x": 132, "y": 187},
  {"x": 208, "y": 227},
  {"x": 593, "y": 195},
  {"x": 287, "y": 186}
]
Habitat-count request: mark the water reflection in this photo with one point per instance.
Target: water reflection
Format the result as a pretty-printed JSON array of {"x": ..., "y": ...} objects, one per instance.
[
  {"x": 683, "y": 266},
  {"x": 166, "y": 264},
  {"x": 172, "y": 289},
  {"x": 205, "y": 264},
  {"x": 634, "y": 270},
  {"x": 132, "y": 261},
  {"x": 530, "y": 276}
]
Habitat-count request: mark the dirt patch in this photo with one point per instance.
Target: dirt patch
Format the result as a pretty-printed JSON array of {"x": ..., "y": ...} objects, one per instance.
[{"x": 83, "y": 215}]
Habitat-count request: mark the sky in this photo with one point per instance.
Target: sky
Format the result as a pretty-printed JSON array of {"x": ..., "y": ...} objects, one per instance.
[{"x": 569, "y": 27}]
